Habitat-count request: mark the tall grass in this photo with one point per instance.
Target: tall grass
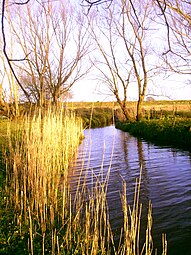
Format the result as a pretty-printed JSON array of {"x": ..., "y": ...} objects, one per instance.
[
  {"x": 46, "y": 217},
  {"x": 37, "y": 166}
]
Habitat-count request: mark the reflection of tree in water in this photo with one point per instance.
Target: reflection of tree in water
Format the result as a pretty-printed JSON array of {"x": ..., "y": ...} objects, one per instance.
[
  {"x": 144, "y": 192},
  {"x": 130, "y": 174},
  {"x": 125, "y": 147},
  {"x": 129, "y": 143},
  {"x": 133, "y": 159},
  {"x": 142, "y": 164}
]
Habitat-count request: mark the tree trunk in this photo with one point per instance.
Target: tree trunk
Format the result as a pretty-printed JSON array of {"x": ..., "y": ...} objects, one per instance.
[
  {"x": 123, "y": 106},
  {"x": 1, "y": 94},
  {"x": 140, "y": 108}
]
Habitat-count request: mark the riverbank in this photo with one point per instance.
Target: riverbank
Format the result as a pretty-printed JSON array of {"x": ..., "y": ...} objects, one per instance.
[{"x": 168, "y": 132}]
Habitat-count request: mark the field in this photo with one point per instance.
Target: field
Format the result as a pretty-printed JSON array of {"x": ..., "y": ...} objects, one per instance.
[
  {"x": 163, "y": 107},
  {"x": 157, "y": 104},
  {"x": 167, "y": 105}
]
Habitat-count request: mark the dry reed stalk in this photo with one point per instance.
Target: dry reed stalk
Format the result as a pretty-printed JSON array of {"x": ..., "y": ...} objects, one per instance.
[
  {"x": 164, "y": 244},
  {"x": 132, "y": 218}
]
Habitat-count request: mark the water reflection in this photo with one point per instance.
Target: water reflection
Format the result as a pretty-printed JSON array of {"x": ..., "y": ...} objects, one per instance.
[{"x": 166, "y": 181}]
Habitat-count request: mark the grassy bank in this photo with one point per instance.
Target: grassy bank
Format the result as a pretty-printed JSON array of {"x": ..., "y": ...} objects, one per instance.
[
  {"x": 99, "y": 114},
  {"x": 38, "y": 212},
  {"x": 95, "y": 117},
  {"x": 172, "y": 132}
]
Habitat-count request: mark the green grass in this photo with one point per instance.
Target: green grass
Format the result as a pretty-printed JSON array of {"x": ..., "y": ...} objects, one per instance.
[
  {"x": 172, "y": 132},
  {"x": 95, "y": 117}
]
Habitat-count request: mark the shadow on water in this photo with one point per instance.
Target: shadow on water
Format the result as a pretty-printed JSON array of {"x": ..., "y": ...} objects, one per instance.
[{"x": 166, "y": 181}]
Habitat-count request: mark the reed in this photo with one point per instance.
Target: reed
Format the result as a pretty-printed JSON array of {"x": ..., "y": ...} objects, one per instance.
[
  {"x": 46, "y": 215},
  {"x": 130, "y": 233},
  {"x": 39, "y": 154}
]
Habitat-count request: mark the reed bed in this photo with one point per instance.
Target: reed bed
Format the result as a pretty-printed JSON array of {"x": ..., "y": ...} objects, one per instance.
[
  {"x": 38, "y": 158},
  {"x": 47, "y": 218}
]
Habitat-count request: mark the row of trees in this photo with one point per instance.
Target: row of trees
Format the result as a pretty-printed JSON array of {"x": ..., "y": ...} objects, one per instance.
[{"x": 51, "y": 45}]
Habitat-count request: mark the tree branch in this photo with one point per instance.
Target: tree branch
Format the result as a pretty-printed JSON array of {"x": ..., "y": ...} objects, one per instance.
[
  {"x": 22, "y": 3},
  {"x": 5, "y": 52},
  {"x": 163, "y": 9},
  {"x": 91, "y": 3}
]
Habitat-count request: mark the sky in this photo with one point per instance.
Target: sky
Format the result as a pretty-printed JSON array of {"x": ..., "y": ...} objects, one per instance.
[{"x": 175, "y": 87}]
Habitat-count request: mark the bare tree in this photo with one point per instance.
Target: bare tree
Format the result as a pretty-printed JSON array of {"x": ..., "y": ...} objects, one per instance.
[
  {"x": 53, "y": 38},
  {"x": 125, "y": 50},
  {"x": 176, "y": 17}
]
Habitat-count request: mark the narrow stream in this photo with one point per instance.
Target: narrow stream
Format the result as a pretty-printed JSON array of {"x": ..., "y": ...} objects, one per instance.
[{"x": 166, "y": 181}]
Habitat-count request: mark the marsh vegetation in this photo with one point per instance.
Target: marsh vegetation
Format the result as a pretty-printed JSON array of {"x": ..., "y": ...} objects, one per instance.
[{"x": 39, "y": 215}]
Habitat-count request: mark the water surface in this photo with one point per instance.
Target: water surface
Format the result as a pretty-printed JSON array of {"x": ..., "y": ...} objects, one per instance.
[{"x": 166, "y": 181}]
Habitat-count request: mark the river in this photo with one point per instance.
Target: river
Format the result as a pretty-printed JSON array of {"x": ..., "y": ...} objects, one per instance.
[{"x": 166, "y": 181}]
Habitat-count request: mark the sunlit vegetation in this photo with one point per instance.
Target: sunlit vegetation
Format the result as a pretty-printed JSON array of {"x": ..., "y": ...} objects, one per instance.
[
  {"x": 164, "y": 124},
  {"x": 37, "y": 159},
  {"x": 184, "y": 105},
  {"x": 39, "y": 214},
  {"x": 96, "y": 117},
  {"x": 163, "y": 132},
  {"x": 96, "y": 114}
]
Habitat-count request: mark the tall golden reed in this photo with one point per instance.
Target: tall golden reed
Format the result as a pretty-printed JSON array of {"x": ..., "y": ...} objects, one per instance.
[{"x": 39, "y": 154}]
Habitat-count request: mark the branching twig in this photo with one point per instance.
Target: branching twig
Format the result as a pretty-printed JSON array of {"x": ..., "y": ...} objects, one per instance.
[
  {"x": 134, "y": 10},
  {"x": 163, "y": 10},
  {"x": 91, "y": 3}
]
